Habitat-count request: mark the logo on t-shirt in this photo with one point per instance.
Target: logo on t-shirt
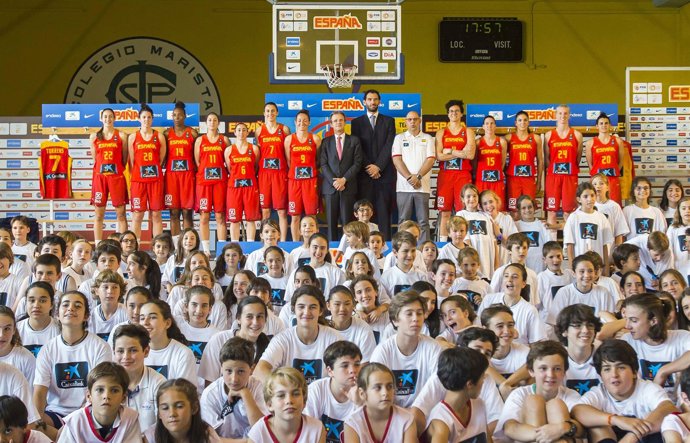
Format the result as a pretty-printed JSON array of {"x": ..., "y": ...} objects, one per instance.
[
  {"x": 161, "y": 369},
  {"x": 304, "y": 172},
  {"x": 582, "y": 386},
  {"x": 212, "y": 174},
  {"x": 400, "y": 288},
  {"x": 271, "y": 163},
  {"x": 377, "y": 336},
  {"x": 311, "y": 369},
  {"x": 303, "y": 261},
  {"x": 148, "y": 171},
  {"x": 479, "y": 438},
  {"x": 561, "y": 168},
  {"x": 179, "y": 166},
  {"x": 197, "y": 348},
  {"x": 3, "y": 298},
  {"x": 454, "y": 164},
  {"x": 650, "y": 368},
  {"x": 177, "y": 272},
  {"x": 533, "y": 237},
  {"x": 554, "y": 289},
  {"x": 71, "y": 375},
  {"x": 21, "y": 257},
  {"x": 478, "y": 227},
  {"x": 261, "y": 268},
  {"x": 34, "y": 349},
  {"x": 522, "y": 171},
  {"x": 588, "y": 231},
  {"x": 334, "y": 428},
  {"x": 406, "y": 381},
  {"x": 473, "y": 297},
  {"x": 228, "y": 407},
  {"x": 277, "y": 297},
  {"x": 681, "y": 241},
  {"x": 322, "y": 282},
  {"x": 643, "y": 225},
  {"x": 104, "y": 335},
  {"x": 490, "y": 176}
]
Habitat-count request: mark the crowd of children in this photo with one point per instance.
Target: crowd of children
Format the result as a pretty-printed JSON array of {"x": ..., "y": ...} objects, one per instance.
[{"x": 490, "y": 337}]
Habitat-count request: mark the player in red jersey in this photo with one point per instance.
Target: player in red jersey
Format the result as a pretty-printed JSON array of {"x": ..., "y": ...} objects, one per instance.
[
  {"x": 525, "y": 162},
  {"x": 109, "y": 153},
  {"x": 606, "y": 153},
  {"x": 273, "y": 167},
  {"x": 562, "y": 153},
  {"x": 211, "y": 180},
  {"x": 179, "y": 171},
  {"x": 301, "y": 151},
  {"x": 455, "y": 150},
  {"x": 147, "y": 150},
  {"x": 491, "y": 156},
  {"x": 243, "y": 191}
]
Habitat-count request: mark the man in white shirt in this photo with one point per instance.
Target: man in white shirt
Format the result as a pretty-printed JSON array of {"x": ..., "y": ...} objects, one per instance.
[{"x": 413, "y": 155}]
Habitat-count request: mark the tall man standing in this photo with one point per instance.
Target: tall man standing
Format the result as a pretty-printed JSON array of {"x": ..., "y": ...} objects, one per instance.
[
  {"x": 377, "y": 178},
  {"x": 413, "y": 156},
  {"x": 340, "y": 161}
]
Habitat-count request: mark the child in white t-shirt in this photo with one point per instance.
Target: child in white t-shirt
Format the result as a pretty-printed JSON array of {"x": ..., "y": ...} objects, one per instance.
[
  {"x": 553, "y": 278},
  {"x": 37, "y": 330},
  {"x": 341, "y": 304},
  {"x": 403, "y": 274},
  {"x": 308, "y": 226},
  {"x": 610, "y": 208},
  {"x": 103, "y": 418},
  {"x": 357, "y": 234},
  {"x": 109, "y": 287},
  {"x": 622, "y": 408},
  {"x": 285, "y": 394},
  {"x": 233, "y": 403},
  {"x": 332, "y": 400},
  {"x": 535, "y": 230},
  {"x": 655, "y": 256},
  {"x": 457, "y": 230},
  {"x": 517, "y": 245},
  {"x": 469, "y": 283},
  {"x": 11, "y": 350},
  {"x": 23, "y": 248},
  {"x": 188, "y": 242},
  {"x": 508, "y": 359},
  {"x": 14, "y": 422},
  {"x": 676, "y": 427},
  {"x": 368, "y": 308},
  {"x": 643, "y": 218},
  {"x": 363, "y": 210},
  {"x": 482, "y": 231},
  {"x": 269, "y": 233},
  {"x": 274, "y": 257}
]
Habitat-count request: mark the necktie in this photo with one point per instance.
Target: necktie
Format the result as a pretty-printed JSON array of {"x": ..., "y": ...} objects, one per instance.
[
  {"x": 339, "y": 147},
  {"x": 372, "y": 118}
]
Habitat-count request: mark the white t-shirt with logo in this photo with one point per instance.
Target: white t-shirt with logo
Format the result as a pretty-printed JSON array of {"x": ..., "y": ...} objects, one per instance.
[
  {"x": 588, "y": 232},
  {"x": 229, "y": 419},
  {"x": 34, "y": 340},
  {"x": 322, "y": 405},
  {"x": 174, "y": 361},
  {"x": 538, "y": 234},
  {"x": 527, "y": 321},
  {"x": 481, "y": 234},
  {"x": 143, "y": 398},
  {"x": 598, "y": 298}
]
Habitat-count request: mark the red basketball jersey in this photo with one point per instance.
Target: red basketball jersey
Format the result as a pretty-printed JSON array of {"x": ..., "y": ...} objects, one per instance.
[
  {"x": 302, "y": 158},
  {"x": 146, "y": 164},
  {"x": 211, "y": 164},
  {"x": 563, "y": 154},
  {"x": 458, "y": 142},
  {"x": 109, "y": 159},
  {"x": 242, "y": 171},
  {"x": 605, "y": 157},
  {"x": 272, "y": 149},
  {"x": 489, "y": 167},
  {"x": 522, "y": 156},
  {"x": 55, "y": 169},
  {"x": 180, "y": 151}
]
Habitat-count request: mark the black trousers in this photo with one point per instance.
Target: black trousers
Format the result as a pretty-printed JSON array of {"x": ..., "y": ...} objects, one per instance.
[{"x": 339, "y": 208}]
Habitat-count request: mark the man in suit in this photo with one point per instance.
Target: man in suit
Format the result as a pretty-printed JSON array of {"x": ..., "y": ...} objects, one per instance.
[
  {"x": 377, "y": 177},
  {"x": 340, "y": 161}
]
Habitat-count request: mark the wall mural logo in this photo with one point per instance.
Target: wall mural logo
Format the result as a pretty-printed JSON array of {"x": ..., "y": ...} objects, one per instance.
[{"x": 143, "y": 70}]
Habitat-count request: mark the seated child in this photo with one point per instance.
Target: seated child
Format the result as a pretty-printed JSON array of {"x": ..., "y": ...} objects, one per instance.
[{"x": 14, "y": 422}]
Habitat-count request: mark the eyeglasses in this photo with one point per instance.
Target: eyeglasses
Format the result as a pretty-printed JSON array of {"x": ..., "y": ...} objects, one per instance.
[
  {"x": 642, "y": 188},
  {"x": 128, "y": 240}
]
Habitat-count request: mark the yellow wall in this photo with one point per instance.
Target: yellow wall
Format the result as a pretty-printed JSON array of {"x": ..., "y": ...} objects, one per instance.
[{"x": 580, "y": 50}]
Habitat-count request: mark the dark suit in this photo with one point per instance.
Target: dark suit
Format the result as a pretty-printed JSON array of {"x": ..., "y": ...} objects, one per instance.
[
  {"x": 377, "y": 144},
  {"x": 339, "y": 204}
]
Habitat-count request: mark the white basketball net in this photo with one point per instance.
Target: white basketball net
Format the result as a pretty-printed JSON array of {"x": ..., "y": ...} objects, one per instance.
[{"x": 339, "y": 75}]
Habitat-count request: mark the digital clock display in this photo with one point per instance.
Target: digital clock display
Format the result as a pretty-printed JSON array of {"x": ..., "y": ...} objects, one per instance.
[{"x": 480, "y": 40}]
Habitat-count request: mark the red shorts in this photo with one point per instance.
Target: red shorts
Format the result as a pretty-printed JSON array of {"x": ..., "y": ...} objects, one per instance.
[
  {"x": 303, "y": 197},
  {"x": 102, "y": 185},
  {"x": 147, "y": 196},
  {"x": 498, "y": 187},
  {"x": 559, "y": 191},
  {"x": 517, "y": 186},
  {"x": 448, "y": 189},
  {"x": 273, "y": 190},
  {"x": 243, "y": 200},
  {"x": 211, "y": 198},
  {"x": 179, "y": 190}
]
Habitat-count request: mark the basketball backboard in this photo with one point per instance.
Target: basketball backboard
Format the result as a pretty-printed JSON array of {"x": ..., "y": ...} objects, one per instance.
[{"x": 308, "y": 36}]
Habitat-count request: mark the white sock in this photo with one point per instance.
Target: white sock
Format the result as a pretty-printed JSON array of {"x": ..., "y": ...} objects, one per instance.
[
  {"x": 443, "y": 238},
  {"x": 206, "y": 245}
]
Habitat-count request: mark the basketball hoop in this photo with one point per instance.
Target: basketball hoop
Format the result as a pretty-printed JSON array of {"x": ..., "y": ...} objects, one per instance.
[{"x": 339, "y": 75}]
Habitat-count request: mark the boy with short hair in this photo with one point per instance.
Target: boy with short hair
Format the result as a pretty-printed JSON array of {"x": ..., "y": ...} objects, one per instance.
[
  {"x": 103, "y": 418},
  {"x": 517, "y": 245},
  {"x": 541, "y": 411},
  {"x": 22, "y": 248},
  {"x": 626, "y": 258},
  {"x": 469, "y": 283},
  {"x": 106, "y": 256},
  {"x": 461, "y": 372},
  {"x": 484, "y": 341},
  {"x": 602, "y": 280},
  {"x": 411, "y": 227},
  {"x": 53, "y": 244},
  {"x": 234, "y": 402},
  {"x": 332, "y": 399},
  {"x": 47, "y": 268},
  {"x": 509, "y": 356},
  {"x": 377, "y": 244},
  {"x": 14, "y": 422},
  {"x": 576, "y": 328},
  {"x": 623, "y": 408},
  {"x": 457, "y": 229},
  {"x": 131, "y": 345},
  {"x": 553, "y": 278},
  {"x": 363, "y": 211},
  {"x": 656, "y": 255},
  {"x": 403, "y": 274}
]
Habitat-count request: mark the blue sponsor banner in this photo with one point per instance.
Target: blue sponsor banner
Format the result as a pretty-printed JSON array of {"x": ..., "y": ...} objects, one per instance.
[
  {"x": 126, "y": 115},
  {"x": 541, "y": 115},
  {"x": 320, "y": 107},
  {"x": 14, "y": 164},
  {"x": 14, "y": 143}
]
